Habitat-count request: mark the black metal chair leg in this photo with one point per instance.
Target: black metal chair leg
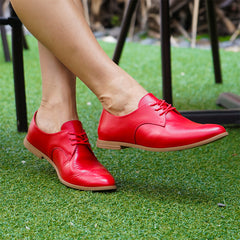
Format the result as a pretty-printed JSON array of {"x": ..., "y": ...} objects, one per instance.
[
  {"x": 5, "y": 44},
  {"x": 18, "y": 71},
  {"x": 166, "y": 52},
  {"x": 124, "y": 30},
  {"x": 214, "y": 39}
]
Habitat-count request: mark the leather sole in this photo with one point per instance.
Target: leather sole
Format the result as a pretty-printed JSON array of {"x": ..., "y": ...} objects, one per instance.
[
  {"x": 41, "y": 155},
  {"x": 121, "y": 145}
]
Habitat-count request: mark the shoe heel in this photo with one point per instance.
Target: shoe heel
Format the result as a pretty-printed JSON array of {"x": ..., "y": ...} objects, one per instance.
[
  {"x": 109, "y": 145},
  {"x": 32, "y": 149}
]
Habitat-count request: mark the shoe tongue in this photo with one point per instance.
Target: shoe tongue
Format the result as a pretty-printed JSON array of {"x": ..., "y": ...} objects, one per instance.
[
  {"x": 149, "y": 98},
  {"x": 73, "y": 126}
]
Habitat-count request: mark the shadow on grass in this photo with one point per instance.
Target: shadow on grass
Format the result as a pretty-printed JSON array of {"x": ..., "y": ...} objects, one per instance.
[{"x": 163, "y": 192}]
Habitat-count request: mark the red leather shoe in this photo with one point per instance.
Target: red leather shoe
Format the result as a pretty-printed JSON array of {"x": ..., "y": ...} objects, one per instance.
[
  {"x": 71, "y": 155},
  {"x": 154, "y": 126}
]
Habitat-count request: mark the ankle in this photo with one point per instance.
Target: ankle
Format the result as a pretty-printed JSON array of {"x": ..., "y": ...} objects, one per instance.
[
  {"x": 50, "y": 118},
  {"x": 120, "y": 104}
]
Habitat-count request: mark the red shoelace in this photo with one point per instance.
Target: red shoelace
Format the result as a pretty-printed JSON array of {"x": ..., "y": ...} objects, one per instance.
[
  {"x": 79, "y": 138},
  {"x": 164, "y": 106}
]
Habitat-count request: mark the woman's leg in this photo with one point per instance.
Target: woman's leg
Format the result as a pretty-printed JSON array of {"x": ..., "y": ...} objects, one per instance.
[
  {"x": 58, "y": 103},
  {"x": 56, "y": 134},
  {"x": 61, "y": 27}
]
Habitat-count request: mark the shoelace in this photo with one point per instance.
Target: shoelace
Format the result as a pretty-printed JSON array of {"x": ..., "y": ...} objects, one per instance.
[
  {"x": 78, "y": 138},
  {"x": 163, "y": 105}
]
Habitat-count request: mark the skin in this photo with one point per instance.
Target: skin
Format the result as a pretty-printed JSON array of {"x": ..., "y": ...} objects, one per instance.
[{"x": 67, "y": 48}]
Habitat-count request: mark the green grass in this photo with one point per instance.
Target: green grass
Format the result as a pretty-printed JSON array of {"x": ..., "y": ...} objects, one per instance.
[{"x": 160, "y": 195}]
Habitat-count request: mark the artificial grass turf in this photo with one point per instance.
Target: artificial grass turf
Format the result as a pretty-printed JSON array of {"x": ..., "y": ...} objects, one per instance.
[{"x": 160, "y": 195}]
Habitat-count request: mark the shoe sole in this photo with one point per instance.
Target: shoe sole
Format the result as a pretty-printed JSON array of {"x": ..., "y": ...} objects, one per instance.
[
  {"x": 121, "y": 145},
  {"x": 41, "y": 155}
]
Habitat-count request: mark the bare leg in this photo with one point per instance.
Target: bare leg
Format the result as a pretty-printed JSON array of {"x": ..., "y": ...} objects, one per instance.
[
  {"x": 67, "y": 150},
  {"x": 64, "y": 31},
  {"x": 58, "y": 103}
]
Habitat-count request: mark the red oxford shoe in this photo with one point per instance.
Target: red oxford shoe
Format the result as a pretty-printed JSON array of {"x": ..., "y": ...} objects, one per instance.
[
  {"x": 71, "y": 155},
  {"x": 154, "y": 126}
]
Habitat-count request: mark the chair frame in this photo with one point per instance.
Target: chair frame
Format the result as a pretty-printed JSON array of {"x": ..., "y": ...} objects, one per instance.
[{"x": 18, "y": 69}]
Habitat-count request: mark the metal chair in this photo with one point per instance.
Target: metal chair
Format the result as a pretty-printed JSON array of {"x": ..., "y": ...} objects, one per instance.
[
  {"x": 18, "y": 69},
  {"x": 226, "y": 116},
  {"x": 4, "y": 35}
]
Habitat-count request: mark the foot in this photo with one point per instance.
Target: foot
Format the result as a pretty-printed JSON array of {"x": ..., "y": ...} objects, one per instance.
[
  {"x": 123, "y": 98},
  {"x": 154, "y": 126},
  {"x": 71, "y": 155},
  {"x": 51, "y": 117}
]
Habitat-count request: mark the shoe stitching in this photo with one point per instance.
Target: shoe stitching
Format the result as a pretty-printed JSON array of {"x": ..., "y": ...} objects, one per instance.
[{"x": 163, "y": 105}]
